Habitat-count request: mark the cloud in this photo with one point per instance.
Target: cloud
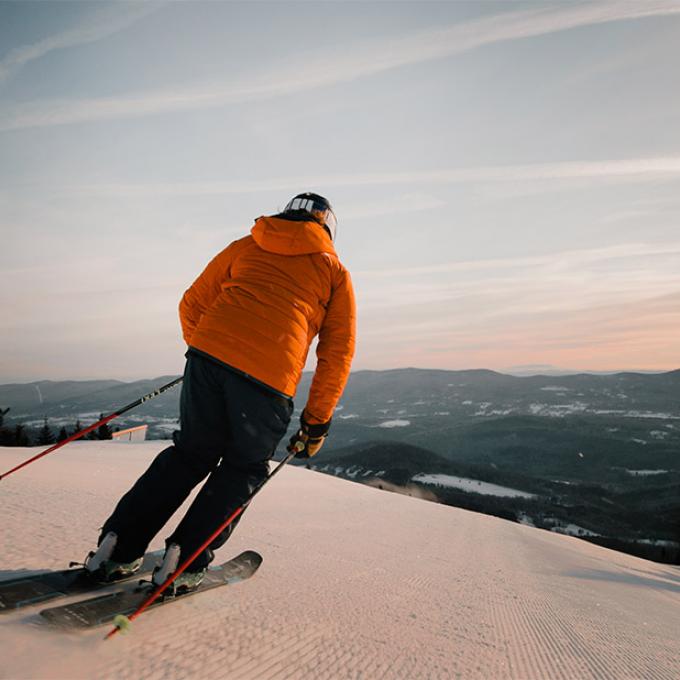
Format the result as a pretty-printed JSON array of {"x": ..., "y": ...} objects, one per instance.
[
  {"x": 560, "y": 261},
  {"x": 550, "y": 293},
  {"x": 359, "y": 62},
  {"x": 107, "y": 20},
  {"x": 406, "y": 203},
  {"x": 598, "y": 334},
  {"x": 626, "y": 170}
]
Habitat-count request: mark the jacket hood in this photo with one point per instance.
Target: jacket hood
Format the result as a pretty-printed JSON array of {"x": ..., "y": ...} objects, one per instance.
[{"x": 290, "y": 237}]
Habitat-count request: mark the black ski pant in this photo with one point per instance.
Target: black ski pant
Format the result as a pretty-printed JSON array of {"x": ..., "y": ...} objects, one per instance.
[{"x": 230, "y": 427}]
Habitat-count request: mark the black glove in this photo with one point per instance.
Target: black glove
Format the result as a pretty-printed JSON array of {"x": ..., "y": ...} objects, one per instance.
[{"x": 307, "y": 441}]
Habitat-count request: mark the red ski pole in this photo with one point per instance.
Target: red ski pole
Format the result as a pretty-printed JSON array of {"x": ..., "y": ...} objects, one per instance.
[
  {"x": 103, "y": 421},
  {"x": 168, "y": 582}
]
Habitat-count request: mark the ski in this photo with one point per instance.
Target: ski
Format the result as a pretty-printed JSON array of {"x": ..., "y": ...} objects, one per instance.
[
  {"x": 100, "y": 610},
  {"x": 24, "y": 591}
]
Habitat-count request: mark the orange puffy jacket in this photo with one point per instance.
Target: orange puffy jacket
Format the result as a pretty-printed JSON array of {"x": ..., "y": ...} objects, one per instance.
[{"x": 258, "y": 305}]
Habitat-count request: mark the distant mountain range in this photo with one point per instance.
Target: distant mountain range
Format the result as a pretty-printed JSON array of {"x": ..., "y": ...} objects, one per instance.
[
  {"x": 549, "y": 369},
  {"x": 416, "y": 403}
]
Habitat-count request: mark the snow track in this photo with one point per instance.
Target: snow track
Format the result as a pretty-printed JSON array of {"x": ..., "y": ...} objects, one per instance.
[{"x": 356, "y": 583}]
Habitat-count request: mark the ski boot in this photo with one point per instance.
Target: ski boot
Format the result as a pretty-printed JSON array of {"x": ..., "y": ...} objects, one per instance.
[
  {"x": 185, "y": 582},
  {"x": 102, "y": 569}
]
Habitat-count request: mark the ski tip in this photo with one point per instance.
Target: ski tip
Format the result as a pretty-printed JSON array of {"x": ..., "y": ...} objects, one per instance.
[{"x": 251, "y": 555}]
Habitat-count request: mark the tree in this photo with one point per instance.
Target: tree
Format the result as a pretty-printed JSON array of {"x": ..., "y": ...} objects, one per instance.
[
  {"x": 45, "y": 435},
  {"x": 6, "y": 437},
  {"x": 93, "y": 435},
  {"x": 63, "y": 434},
  {"x": 104, "y": 431},
  {"x": 21, "y": 437}
]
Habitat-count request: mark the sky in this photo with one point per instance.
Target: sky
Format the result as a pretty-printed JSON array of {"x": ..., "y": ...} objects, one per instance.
[{"x": 506, "y": 175}]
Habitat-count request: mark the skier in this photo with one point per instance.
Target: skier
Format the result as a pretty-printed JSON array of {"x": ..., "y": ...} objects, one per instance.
[{"x": 248, "y": 321}]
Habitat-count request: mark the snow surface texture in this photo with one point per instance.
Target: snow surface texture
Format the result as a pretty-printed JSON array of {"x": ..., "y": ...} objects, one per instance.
[{"x": 356, "y": 583}]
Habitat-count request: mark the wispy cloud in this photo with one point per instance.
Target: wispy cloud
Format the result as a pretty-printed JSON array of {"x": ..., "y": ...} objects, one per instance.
[
  {"x": 626, "y": 170},
  {"x": 359, "y": 62},
  {"x": 436, "y": 300},
  {"x": 105, "y": 21},
  {"x": 564, "y": 261},
  {"x": 625, "y": 334},
  {"x": 593, "y": 308},
  {"x": 406, "y": 203}
]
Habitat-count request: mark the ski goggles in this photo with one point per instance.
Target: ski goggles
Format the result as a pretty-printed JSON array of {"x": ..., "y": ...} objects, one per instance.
[{"x": 321, "y": 211}]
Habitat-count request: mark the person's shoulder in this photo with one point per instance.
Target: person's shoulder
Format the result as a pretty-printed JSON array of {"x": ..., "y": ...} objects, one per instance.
[
  {"x": 333, "y": 262},
  {"x": 341, "y": 266},
  {"x": 236, "y": 246},
  {"x": 243, "y": 242},
  {"x": 340, "y": 273}
]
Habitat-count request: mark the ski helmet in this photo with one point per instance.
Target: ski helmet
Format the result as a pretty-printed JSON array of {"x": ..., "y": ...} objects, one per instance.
[{"x": 318, "y": 207}]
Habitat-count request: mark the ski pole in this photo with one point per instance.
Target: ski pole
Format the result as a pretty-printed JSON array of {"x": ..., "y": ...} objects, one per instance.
[
  {"x": 124, "y": 621},
  {"x": 103, "y": 421}
]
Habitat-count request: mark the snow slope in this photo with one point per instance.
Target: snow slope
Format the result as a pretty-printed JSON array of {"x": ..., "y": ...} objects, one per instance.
[{"x": 356, "y": 583}]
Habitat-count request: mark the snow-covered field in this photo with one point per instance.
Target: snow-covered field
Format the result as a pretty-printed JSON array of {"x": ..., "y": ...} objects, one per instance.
[
  {"x": 471, "y": 485},
  {"x": 573, "y": 530},
  {"x": 646, "y": 473},
  {"x": 356, "y": 583},
  {"x": 395, "y": 423}
]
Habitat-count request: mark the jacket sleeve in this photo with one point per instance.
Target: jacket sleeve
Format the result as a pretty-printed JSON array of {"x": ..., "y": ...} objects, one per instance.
[
  {"x": 334, "y": 352},
  {"x": 204, "y": 291}
]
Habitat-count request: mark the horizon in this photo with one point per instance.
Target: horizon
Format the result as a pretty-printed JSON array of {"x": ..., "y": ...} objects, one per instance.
[
  {"x": 506, "y": 195},
  {"x": 551, "y": 372}
]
